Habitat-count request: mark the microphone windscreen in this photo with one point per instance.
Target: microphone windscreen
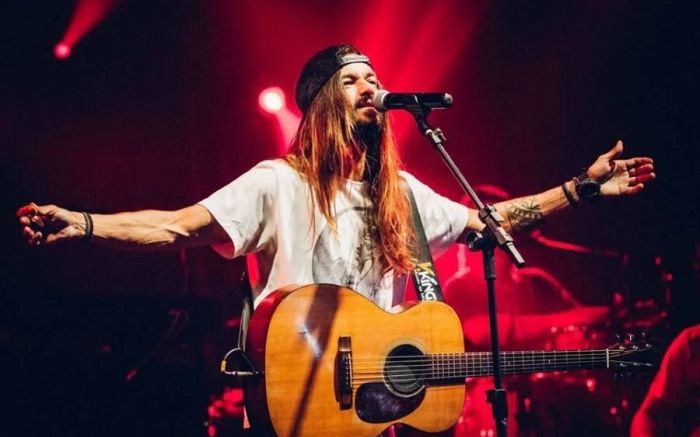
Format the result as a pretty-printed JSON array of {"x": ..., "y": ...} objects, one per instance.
[{"x": 378, "y": 100}]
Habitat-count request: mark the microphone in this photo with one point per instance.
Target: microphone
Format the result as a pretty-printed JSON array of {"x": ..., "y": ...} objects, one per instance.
[{"x": 384, "y": 100}]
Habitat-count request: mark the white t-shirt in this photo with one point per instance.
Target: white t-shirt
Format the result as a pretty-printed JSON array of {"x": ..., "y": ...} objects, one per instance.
[{"x": 266, "y": 214}]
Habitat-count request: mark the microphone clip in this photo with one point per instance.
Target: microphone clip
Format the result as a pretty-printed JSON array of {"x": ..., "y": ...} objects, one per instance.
[{"x": 436, "y": 136}]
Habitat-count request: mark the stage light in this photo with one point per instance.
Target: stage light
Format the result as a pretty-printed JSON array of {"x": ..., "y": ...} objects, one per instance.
[
  {"x": 591, "y": 384},
  {"x": 86, "y": 15},
  {"x": 271, "y": 100},
  {"x": 61, "y": 50}
]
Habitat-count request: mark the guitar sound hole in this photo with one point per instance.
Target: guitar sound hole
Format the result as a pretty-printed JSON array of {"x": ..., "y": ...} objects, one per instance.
[{"x": 405, "y": 370}]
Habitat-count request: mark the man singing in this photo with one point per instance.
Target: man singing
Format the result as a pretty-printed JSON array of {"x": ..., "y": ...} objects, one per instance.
[{"x": 335, "y": 208}]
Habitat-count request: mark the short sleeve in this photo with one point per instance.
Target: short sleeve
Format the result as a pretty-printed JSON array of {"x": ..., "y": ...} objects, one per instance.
[
  {"x": 672, "y": 382},
  {"x": 443, "y": 219},
  {"x": 245, "y": 210}
]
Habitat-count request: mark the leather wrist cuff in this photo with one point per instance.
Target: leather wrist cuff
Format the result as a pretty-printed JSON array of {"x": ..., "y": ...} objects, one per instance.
[{"x": 570, "y": 197}]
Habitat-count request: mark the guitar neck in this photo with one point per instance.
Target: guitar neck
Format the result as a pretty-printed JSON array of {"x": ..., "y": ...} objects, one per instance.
[{"x": 448, "y": 367}]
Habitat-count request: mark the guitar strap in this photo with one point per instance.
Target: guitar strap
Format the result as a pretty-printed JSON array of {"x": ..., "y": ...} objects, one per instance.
[
  {"x": 424, "y": 274},
  {"x": 236, "y": 362}
]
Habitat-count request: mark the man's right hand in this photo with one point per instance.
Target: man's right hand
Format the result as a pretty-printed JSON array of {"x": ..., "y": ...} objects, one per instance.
[{"x": 49, "y": 224}]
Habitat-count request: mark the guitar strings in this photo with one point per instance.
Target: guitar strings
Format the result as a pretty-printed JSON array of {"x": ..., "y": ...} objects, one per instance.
[
  {"x": 471, "y": 370},
  {"x": 421, "y": 367},
  {"x": 412, "y": 376},
  {"x": 476, "y": 357},
  {"x": 444, "y": 366},
  {"x": 488, "y": 367},
  {"x": 421, "y": 378}
]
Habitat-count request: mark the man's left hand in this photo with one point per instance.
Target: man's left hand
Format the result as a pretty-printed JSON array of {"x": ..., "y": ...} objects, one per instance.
[{"x": 621, "y": 176}]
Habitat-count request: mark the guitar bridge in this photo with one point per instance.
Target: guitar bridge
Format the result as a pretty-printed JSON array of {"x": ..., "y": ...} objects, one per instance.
[{"x": 343, "y": 373}]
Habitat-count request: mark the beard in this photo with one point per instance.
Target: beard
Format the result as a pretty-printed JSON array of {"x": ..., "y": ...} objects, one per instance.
[{"x": 369, "y": 134}]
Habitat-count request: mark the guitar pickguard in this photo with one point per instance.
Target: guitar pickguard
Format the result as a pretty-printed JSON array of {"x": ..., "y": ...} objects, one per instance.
[{"x": 374, "y": 403}]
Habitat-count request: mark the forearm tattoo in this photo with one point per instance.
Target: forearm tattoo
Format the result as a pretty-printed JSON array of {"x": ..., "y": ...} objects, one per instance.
[{"x": 524, "y": 214}]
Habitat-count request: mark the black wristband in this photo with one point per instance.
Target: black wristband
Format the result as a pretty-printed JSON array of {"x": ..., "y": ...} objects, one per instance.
[
  {"x": 587, "y": 188},
  {"x": 570, "y": 197},
  {"x": 89, "y": 226}
]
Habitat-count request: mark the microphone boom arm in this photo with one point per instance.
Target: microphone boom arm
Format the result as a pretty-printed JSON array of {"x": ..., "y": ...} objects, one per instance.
[{"x": 487, "y": 213}]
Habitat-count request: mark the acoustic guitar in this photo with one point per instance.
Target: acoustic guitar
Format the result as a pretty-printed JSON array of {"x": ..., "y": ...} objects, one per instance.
[{"x": 332, "y": 363}]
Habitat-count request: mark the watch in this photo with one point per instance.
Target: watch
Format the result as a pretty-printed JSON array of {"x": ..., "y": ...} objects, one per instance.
[{"x": 586, "y": 187}]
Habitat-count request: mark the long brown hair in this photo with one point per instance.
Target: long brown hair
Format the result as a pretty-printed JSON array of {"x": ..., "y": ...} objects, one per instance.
[{"x": 326, "y": 150}]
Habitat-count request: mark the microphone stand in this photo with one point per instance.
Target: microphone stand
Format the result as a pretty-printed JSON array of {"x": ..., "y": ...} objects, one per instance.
[{"x": 485, "y": 241}]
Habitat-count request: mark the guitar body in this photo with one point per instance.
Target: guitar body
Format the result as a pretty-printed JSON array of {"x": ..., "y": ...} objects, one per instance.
[{"x": 301, "y": 337}]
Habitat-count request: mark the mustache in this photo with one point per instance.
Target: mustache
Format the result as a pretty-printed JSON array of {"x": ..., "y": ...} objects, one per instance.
[
  {"x": 364, "y": 102},
  {"x": 379, "y": 118}
]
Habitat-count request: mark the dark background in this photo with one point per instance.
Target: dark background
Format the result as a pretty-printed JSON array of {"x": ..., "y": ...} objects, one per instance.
[{"x": 157, "y": 108}]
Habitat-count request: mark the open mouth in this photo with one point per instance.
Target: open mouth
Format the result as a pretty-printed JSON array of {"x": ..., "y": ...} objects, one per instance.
[{"x": 364, "y": 103}]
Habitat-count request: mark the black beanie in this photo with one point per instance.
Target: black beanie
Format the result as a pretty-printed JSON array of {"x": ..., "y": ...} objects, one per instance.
[{"x": 320, "y": 68}]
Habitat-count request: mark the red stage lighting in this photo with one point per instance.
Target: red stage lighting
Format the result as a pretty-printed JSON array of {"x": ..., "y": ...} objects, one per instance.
[
  {"x": 61, "y": 50},
  {"x": 271, "y": 100},
  {"x": 87, "y": 15},
  {"x": 591, "y": 384}
]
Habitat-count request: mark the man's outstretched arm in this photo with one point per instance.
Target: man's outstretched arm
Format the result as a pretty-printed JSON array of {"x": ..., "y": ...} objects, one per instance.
[
  {"x": 140, "y": 230},
  {"x": 617, "y": 177}
]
